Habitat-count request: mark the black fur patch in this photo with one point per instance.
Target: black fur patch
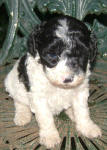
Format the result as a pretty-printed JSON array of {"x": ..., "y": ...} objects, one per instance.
[
  {"x": 23, "y": 76},
  {"x": 49, "y": 46}
]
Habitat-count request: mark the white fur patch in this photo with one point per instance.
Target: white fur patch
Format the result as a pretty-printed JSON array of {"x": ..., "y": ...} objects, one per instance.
[
  {"x": 46, "y": 100},
  {"x": 62, "y": 31}
]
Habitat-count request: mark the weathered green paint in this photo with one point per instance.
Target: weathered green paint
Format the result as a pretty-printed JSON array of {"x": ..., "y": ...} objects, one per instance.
[{"x": 23, "y": 18}]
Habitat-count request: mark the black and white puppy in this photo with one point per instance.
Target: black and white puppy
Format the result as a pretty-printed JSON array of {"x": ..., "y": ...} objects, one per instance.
[{"x": 53, "y": 76}]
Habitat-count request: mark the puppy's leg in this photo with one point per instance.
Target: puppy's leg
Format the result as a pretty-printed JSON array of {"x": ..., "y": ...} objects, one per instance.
[
  {"x": 70, "y": 113},
  {"x": 81, "y": 112},
  {"x": 22, "y": 114},
  {"x": 48, "y": 133}
]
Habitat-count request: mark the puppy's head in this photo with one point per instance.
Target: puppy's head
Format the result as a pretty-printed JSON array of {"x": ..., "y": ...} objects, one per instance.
[{"x": 65, "y": 47}]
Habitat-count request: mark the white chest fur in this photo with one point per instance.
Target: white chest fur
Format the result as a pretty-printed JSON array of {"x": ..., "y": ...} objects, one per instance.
[
  {"x": 56, "y": 99},
  {"x": 60, "y": 99}
]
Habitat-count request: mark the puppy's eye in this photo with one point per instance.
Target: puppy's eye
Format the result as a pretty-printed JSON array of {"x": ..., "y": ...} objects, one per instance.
[{"x": 52, "y": 56}]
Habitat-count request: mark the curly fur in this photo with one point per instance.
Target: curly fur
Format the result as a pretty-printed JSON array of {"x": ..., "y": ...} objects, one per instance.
[{"x": 53, "y": 76}]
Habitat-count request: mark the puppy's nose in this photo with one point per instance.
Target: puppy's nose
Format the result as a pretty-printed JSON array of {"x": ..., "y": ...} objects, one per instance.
[{"x": 67, "y": 80}]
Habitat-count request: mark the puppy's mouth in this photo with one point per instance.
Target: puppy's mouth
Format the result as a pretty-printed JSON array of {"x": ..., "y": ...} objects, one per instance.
[
  {"x": 73, "y": 81},
  {"x": 65, "y": 79},
  {"x": 68, "y": 82}
]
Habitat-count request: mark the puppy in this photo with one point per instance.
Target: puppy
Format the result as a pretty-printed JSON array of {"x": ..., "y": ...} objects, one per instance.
[{"x": 53, "y": 76}]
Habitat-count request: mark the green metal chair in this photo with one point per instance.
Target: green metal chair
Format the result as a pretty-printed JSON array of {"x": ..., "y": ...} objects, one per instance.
[{"x": 22, "y": 19}]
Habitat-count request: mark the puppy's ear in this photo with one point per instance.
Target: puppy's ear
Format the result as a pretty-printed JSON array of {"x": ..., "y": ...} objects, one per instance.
[
  {"x": 93, "y": 47},
  {"x": 32, "y": 42}
]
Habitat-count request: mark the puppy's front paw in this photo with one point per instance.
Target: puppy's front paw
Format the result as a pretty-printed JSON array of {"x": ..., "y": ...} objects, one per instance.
[
  {"x": 21, "y": 119},
  {"x": 90, "y": 130},
  {"x": 49, "y": 138}
]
